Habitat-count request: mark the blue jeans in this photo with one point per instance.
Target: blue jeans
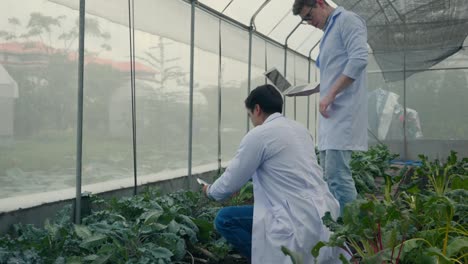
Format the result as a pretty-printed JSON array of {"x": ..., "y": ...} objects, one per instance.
[
  {"x": 235, "y": 225},
  {"x": 337, "y": 173}
]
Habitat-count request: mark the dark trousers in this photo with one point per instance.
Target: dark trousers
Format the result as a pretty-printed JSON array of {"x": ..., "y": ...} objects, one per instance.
[{"x": 235, "y": 225}]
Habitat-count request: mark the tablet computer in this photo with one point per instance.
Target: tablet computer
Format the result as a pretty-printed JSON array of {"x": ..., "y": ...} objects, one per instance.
[
  {"x": 277, "y": 80},
  {"x": 284, "y": 87}
]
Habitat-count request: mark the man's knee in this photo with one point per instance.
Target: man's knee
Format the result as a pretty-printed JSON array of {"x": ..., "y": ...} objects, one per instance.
[{"x": 222, "y": 218}]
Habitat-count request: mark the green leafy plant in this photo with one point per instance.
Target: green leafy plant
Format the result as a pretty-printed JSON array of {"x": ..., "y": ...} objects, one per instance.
[
  {"x": 439, "y": 176},
  {"x": 146, "y": 228},
  {"x": 245, "y": 195},
  {"x": 366, "y": 166},
  {"x": 415, "y": 226},
  {"x": 296, "y": 258}
]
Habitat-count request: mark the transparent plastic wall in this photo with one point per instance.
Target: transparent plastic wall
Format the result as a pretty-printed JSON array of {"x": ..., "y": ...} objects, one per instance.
[
  {"x": 301, "y": 74},
  {"x": 290, "y": 110},
  {"x": 297, "y": 74},
  {"x": 436, "y": 109},
  {"x": 259, "y": 62},
  {"x": 439, "y": 96},
  {"x": 205, "y": 103},
  {"x": 38, "y": 95},
  {"x": 314, "y": 102},
  {"x": 107, "y": 133},
  {"x": 162, "y": 90},
  {"x": 275, "y": 58},
  {"x": 234, "y": 74},
  {"x": 385, "y": 107},
  {"x": 38, "y": 75},
  {"x": 437, "y": 105}
]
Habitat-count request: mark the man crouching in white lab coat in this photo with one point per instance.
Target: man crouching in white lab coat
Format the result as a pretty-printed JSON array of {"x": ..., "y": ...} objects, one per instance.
[{"x": 289, "y": 192}]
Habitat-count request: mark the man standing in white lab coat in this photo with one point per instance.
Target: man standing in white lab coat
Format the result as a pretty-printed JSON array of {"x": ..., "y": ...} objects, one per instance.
[
  {"x": 290, "y": 195},
  {"x": 343, "y": 91}
]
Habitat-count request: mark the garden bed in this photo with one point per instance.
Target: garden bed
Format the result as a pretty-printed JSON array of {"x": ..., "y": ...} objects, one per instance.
[
  {"x": 146, "y": 228},
  {"x": 401, "y": 216}
]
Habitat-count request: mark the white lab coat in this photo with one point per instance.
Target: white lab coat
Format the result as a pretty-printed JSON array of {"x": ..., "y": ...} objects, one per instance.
[
  {"x": 343, "y": 50},
  {"x": 290, "y": 194}
]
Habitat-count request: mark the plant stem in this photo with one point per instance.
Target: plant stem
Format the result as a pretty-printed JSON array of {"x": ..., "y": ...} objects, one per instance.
[
  {"x": 193, "y": 260},
  {"x": 374, "y": 246},
  {"x": 399, "y": 252},
  {"x": 444, "y": 250},
  {"x": 379, "y": 236},
  {"x": 207, "y": 253},
  {"x": 356, "y": 247}
]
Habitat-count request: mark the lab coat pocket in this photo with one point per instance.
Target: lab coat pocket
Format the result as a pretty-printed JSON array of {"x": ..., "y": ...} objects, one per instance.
[{"x": 278, "y": 226}]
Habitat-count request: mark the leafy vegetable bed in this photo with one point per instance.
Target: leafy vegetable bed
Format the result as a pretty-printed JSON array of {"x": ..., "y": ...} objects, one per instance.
[
  {"x": 424, "y": 220},
  {"x": 147, "y": 228}
]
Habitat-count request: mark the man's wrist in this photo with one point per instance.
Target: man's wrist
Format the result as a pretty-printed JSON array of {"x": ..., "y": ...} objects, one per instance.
[
  {"x": 207, "y": 192},
  {"x": 332, "y": 94}
]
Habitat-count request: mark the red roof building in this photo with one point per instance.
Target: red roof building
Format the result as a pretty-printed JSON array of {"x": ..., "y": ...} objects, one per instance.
[{"x": 37, "y": 53}]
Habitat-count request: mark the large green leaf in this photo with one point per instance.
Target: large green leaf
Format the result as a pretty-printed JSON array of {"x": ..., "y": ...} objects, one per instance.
[
  {"x": 93, "y": 241},
  {"x": 316, "y": 249},
  {"x": 102, "y": 259},
  {"x": 456, "y": 246},
  {"x": 173, "y": 227},
  {"x": 295, "y": 257},
  {"x": 442, "y": 259},
  {"x": 151, "y": 216},
  {"x": 74, "y": 260},
  {"x": 161, "y": 253},
  {"x": 205, "y": 229},
  {"x": 382, "y": 256},
  {"x": 344, "y": 260},
  {"x": 459, "y": 182},
  {"x": 155, "y": 227},
  {"x": 91, "y": 257},
  {"x": 172, "y": 242},
  {"x": 82, "y": 231}
]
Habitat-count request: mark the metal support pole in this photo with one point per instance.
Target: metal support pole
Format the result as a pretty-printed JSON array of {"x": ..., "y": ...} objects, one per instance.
[
  {"x": 79, "y": 137},
  {"x": 249, "y": 75},
  {"x": 308, "y": 97},
  {"x": 295, "y": 97},
  {"x": 266, "y": 60},
  {"x": 131, "y": 30},
  {"x": 315, "y": 108},
  {"x": 192, "y": 52},
  {"x": 286, "y": 60},
  {"x": 284, "y": 73},
  {"x": 220, "y": 79},
  {"x": 135, "y": 164},
  {"x": 405, "y": 139},
  {"x": 220, "y": 82}
]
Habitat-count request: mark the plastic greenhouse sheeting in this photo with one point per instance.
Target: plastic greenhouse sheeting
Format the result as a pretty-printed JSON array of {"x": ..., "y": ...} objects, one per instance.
[
  {"x": 275, "y": 21},
  {"x": 412, "y": 35},
  {"x": 8, "y": 86}
]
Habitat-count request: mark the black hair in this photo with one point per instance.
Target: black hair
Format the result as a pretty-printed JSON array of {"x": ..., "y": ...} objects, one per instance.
[
  {"x": 299, "y": 4},
  {"x": 267, "y": 97}
]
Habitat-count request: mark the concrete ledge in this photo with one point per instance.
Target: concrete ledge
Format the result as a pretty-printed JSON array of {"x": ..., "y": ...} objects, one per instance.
[{"x": 36, "y": 208}]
